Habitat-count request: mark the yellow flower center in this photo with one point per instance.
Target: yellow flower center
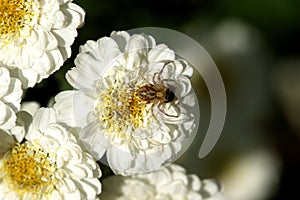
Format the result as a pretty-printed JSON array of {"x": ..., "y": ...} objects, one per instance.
[
  {"x": 28, "y": 168},
  {"x": 14, "y": 16},
  {"x": 120, "y": 111}
]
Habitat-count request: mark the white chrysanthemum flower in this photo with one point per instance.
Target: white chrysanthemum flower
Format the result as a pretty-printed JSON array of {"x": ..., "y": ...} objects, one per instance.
[
  {"x": 169, "y": 183},
  {"x": 133, "y": 101},
  {"x": 36, "y": 35},
  {"x": 48, "y": 164},
  {"x": 10, "y": 99}
]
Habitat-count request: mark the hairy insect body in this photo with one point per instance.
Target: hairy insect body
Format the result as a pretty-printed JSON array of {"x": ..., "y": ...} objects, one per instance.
[{"x": 154, "y": 93}]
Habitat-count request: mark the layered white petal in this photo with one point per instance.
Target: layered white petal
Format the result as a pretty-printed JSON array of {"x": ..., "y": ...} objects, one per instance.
[
  {"x": 119, "y": 115},
  {"x": 30, "y": 106},
  {"x": 172, "y": 183},
  {"x": 160, "y": 53},
  {"x": 42, "y": 43},
  {"x": 7, "y": 118},
  {"x": 90, "y": 137},
  {"x": 73, "y": 108},
  {"x": 121, "y": 38},
  {"x": 23, "y": 122},
  {"x": 10, "y": 99},
  {"x": 73, "y": 173}
]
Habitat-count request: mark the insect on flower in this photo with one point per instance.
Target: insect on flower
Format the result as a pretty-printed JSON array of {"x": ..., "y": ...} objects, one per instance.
[{"x": 156, "y": 93}]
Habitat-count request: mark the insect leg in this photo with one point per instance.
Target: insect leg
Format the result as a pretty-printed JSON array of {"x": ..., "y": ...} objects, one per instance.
[
  {"x": 161, "y": 110},
  {"x": 158, "y": 74},
  {"x": 152, "y": 111}
]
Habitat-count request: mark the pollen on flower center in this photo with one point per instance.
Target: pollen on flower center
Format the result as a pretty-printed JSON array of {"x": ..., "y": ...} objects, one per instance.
[
  {"x": 29, "y": 168},
  {"x": 14, "y": 16},
  {"x": 119, "y": 110}
]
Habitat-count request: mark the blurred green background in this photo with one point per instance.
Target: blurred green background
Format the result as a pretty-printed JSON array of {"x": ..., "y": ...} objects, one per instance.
[{"x": 256, "y": 46}]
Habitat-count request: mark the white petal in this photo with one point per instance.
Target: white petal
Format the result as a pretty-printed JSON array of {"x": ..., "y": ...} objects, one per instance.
[
  {"x": 76, "y": 171},
  {"x": 174, "y": 188},
  {"x": 60, "y": 20},
  {"x": 210, "y": 186},
  {"x": 191, "y": 195},
  {"x": 137, "y": 42},
  {"x": 119, "y": 160},
  {"x": 23, "y": 122},
  {"x": 161, "y": 53},
  {"x": 73, "y": 107},
  {"x": 194, "y": 182},
  {"x": 75, "y": 13},
  {"x": 68, "y": 185},
  {"x": 91, "y": 138},
  {"x": 88, "y": 70},
  {"x": 7, "y": 117},
  {"x": 88, "y": 187},
  {"x": 14, "y": 94},
  {"x": 65, "y": 37},
  {"x": 42, "y": 120},
  {"x": 121, "y": 38},
  {"x": 107, "y": 50},
  {"x": 5, "y": 80},
  {"x": 43, "y": 65},
  {"x": 30, "y": 106},
  {"x": 25, "y": 59},
  {"x": 160, "y": 178},
  {"x": 28, "y": 77},
  {"x": 65, "y": 52},
  {"x": 55, "y": 195},
  {"x": 56, "y": 61},
  {"x": 89, "y": 46}
]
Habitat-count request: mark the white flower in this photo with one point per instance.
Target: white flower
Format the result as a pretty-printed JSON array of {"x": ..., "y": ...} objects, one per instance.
[
  {"x": 48, "y": 164},
  {"x": 133, "y": 101},
  {"x": 36, "y": 35},
  {"x": 258, "y": 170},
  {"x": 10, "y": 99},
  {"x": 169, "y": 183}
]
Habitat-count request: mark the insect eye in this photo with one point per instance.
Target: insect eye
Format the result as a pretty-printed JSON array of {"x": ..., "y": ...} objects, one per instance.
[{"x": 170, "y": 96}]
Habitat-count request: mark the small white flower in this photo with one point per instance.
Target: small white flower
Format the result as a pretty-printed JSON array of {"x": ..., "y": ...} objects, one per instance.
[
  {"x": 36, "y": 35},
  {"x": 10, "y": 99},
  {"x": 259, "y": 170},
  {"x": 133, "y": 101},
  {"x": 48, "y": 164},
  {"x": 169, "y": 183}
]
